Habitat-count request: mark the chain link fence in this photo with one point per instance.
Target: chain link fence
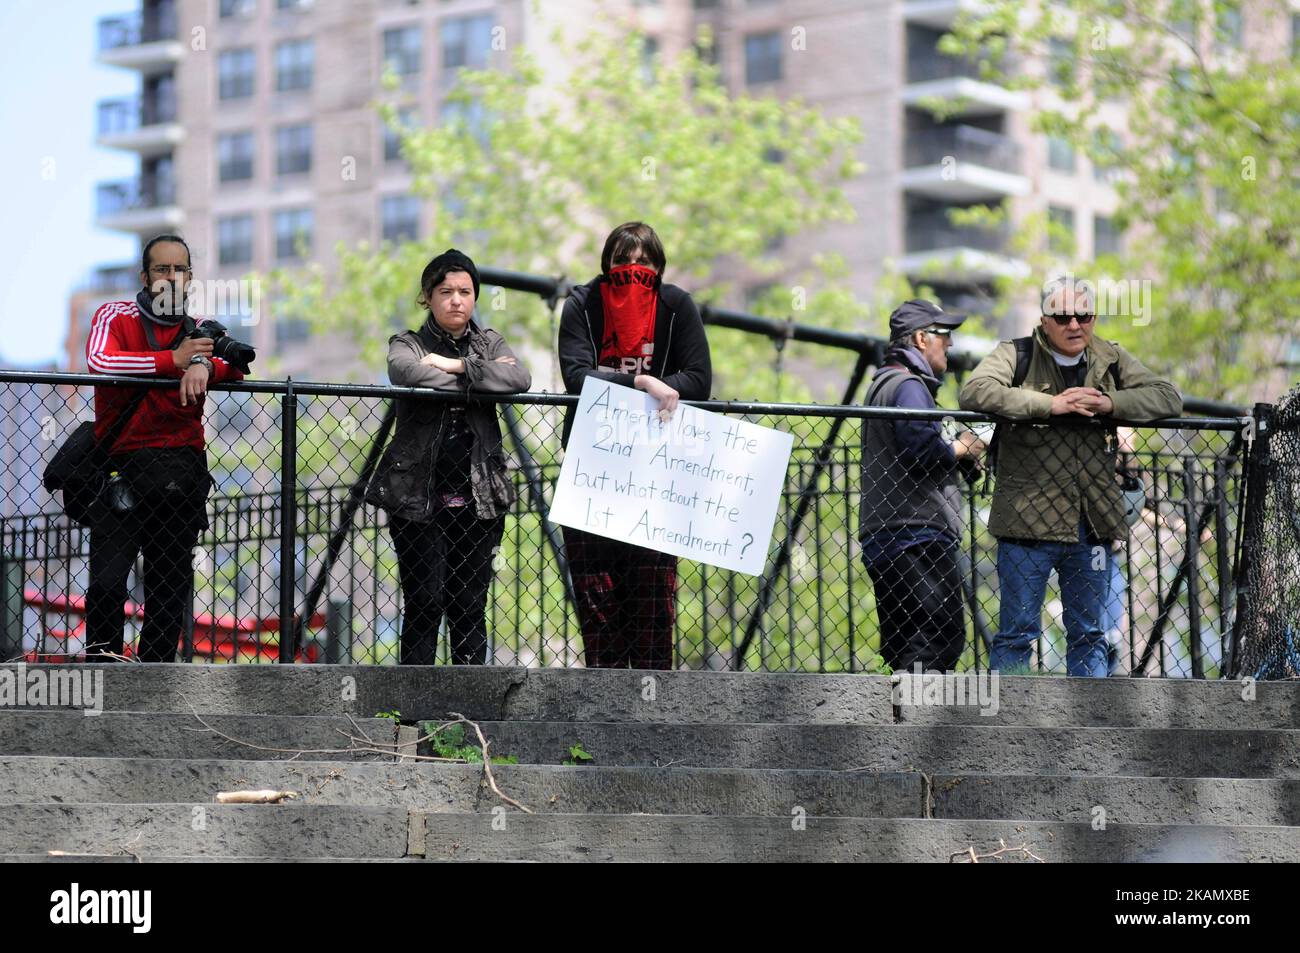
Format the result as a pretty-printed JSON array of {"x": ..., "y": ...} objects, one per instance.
[
  {"x": 294, "y": 564},
  {"x": 1268, "y": 636}
]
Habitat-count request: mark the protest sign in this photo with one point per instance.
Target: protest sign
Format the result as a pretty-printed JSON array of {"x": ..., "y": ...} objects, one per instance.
[{"x": 700, "y": 485}]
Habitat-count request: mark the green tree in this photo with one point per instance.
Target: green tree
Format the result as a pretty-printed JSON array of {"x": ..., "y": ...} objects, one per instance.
[
  {"x": 1204, "y": 163},
  {"x": 532, "y": 177}
]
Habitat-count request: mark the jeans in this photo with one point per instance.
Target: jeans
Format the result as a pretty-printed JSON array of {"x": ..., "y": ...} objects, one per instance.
[
  {"x": 919, "y": 604},
  {"x": 1083, "y": 570},
  {"x": 445, "y": 568}
]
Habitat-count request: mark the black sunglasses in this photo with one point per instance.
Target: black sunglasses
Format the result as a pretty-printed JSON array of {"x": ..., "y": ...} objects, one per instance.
[{"x": 1063, "y": 320}]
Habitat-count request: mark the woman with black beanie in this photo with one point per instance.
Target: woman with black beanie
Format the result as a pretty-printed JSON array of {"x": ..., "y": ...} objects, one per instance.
[{"x": 444, "y": 480}]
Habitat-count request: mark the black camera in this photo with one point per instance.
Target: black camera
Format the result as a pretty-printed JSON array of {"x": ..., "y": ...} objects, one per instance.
[{"x": 235, "y": 353}]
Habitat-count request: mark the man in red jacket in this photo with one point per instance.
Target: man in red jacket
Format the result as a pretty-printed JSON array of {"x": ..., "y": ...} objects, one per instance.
[{"x": 161, "y": 500}]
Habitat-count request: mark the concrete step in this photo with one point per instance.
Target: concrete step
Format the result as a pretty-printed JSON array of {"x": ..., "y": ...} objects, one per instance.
[
  {"x": 122, "y": 734},
  {"x": 460, "y": 787},
  {"x": 305, "y": 831},
  {"x": 1125, "y": 800},
  {"x": 501, "y": 694},
  {"x": 205, "y": 829},
  {"x": 194, "y": 859},
  {"x": 562, "y": 837},
  {"x": 938, "y": 749},
  {"x": 675, "y": 790}
]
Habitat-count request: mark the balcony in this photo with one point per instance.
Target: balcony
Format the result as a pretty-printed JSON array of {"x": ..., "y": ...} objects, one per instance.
[
  {"x": 939, "y": 250},
  {"x": 141, "y": 41},
  {"x": 931, "y": 76},
  {"x": 114, "y": 279},
  {"x": 144, "y": 125},
  {"x": 939, "y": 14},
  {"x": 143, "y": 205},
  {"x": 962, "y": 164}
]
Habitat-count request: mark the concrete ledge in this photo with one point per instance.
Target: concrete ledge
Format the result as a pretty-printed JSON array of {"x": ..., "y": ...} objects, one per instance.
[
  {"x": 493, "y": 694},
  {"x": 501, "y": 694},
  {"x": 210, "y": 829},
  {"x": 1210, "y": 801},
  {"x": 951, "y": 749},
  {"x": 459, "y": 788},
  {"x": 559, "y": 837},
  {"x": 126, "y": 734}
]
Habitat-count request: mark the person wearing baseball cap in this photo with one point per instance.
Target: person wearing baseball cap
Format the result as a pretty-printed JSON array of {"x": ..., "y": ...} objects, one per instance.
[{"x": 910, "y": 515}]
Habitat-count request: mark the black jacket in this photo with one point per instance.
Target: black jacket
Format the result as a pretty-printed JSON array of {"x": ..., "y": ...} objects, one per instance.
[
  {"x": 681, "y": 355},
  {"x": 403, "y": 481}
]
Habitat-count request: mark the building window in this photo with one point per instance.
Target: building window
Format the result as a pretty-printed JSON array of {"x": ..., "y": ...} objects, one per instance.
[
  {"x": 402, "y": 50},
  {"x": 1106, "y": 154},
  {"x": 400, "y": 215},
  {"x": 1229, "y": 27},
  {"x": 1060, "y": 236},
  {"x": 294, "y": 64},
  {"x": 763, "y": 58},
  {"x": 235, "y": 240},
  {"x": 235, "y": 157},
  {"x": 292, "y": 149},
  {"x": 237, "y": 8},
  {"x": 290, "y": 329},
  {"x": 235, "y": 74},
  {"x": 1060, "y": 154},
  {"x": 649, "y": 55},
  {"x": 471, "y": 115},
  {"x": 705, "y": 4},
  {"x": 293, "y": 4},
  {"x": 1105, "y": 236},
  {"x": 466, "y": 43},
  {"x": 393, "y": 138},
  {"x": 1295, "y": 36},
  {"x": 1060, "y": 63},
  {"x": 293, "y": 227}
]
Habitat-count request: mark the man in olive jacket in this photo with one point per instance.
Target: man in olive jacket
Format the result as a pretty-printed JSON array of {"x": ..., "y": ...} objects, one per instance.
[{"x": 1057, "y": 503}]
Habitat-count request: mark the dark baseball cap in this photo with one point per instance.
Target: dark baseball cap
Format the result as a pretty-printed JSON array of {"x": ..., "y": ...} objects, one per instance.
[{"x": 918, "y": 315}]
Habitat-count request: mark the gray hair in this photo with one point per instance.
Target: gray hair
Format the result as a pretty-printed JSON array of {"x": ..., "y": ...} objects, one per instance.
[{"x": 1080, "y": 287}]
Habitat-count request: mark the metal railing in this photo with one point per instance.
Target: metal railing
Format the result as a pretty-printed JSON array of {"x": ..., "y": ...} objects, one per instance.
[
  {"x": 127, "y": 195},
  {"x": 969, "y": 144},
  {"x": 289, "y": 538}
]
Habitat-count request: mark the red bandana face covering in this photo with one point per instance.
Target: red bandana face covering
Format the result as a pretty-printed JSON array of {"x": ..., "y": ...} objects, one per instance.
[{"x": 630, "y": 297}]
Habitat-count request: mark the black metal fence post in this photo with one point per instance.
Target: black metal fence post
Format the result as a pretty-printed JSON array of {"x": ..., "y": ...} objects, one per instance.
[
  {"x": 1254, "y": 497},
  {"x": 288, "y": 519}
]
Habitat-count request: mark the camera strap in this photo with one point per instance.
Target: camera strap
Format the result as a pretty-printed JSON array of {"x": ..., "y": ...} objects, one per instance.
[{"x": 187, "y": 328}]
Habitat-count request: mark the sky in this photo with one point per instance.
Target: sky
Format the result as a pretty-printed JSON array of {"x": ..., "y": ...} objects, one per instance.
[{"x": 49, "y": 167}]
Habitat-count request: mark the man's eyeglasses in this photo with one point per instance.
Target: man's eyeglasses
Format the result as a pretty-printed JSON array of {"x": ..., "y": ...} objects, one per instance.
[
  {"x": 162, "y": 271},
  {"x": 946, "y": 332},
  {"x": 1063, "y": 320}
]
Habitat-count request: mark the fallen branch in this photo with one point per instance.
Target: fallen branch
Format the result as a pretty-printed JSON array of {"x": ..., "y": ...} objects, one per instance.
[
  {"x": 487, "y": 762},
  {"x": 367, "y": 745},
  {"x": 1004, "y": 849},
  {"x": 254, "y": 797}
]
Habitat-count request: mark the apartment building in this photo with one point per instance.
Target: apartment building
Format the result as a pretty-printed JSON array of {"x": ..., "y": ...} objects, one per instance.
[{"x": 258, "y": 138}]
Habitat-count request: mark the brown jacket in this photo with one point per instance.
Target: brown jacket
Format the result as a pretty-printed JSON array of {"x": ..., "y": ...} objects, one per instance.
[{"x": 1048, "y": 476}]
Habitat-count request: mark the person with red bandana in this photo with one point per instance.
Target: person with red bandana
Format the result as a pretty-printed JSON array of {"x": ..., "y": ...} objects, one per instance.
[{"x": 630, "y": 328}]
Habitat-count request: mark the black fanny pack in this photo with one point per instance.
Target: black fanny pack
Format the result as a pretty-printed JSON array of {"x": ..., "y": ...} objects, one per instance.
[{"x": 158, "y": 474}]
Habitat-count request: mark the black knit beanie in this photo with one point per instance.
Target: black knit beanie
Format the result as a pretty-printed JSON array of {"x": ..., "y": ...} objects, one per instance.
[{"x": 450, "y": 260}]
